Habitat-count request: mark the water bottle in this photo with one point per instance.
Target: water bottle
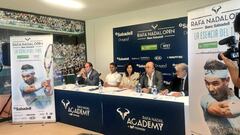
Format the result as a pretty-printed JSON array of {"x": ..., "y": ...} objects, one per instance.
[
  {"x": 100, "y": 87},
  {"x": 139, "y": 89},
  {"x": 63, "y": 83},
  {"x": 154, "y": 91},
  {"x": 76, "y": 83}
]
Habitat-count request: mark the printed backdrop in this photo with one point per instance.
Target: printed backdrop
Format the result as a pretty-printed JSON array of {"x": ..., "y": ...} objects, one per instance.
[{"x": 164, "y": 42}]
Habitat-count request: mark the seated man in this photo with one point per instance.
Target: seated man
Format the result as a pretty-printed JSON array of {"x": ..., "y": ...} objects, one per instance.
[
  {"x": 88, "y": 75},
  {"x": 150, "y": 78},
  {"x": 179, "y": 84},
  {"x": 113, "y": 79}
]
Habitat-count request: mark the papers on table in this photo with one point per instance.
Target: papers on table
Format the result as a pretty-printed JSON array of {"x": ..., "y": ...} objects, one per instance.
[{"x": 115, "y": 91}]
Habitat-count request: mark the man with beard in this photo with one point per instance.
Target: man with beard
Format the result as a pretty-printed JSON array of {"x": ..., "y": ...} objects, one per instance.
[
  {"x": 35, "y": 91},
  {"x": 220, "y": 106}
]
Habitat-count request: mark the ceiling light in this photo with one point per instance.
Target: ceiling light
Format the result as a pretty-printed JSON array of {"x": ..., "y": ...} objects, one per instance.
[{"x": 66, "y": 3}]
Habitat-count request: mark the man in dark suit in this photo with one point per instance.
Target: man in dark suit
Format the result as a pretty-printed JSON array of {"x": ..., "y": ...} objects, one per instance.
[
  {"x": 150, "y": 78},
  {"x": 179, "y": 84},
  {"x": 88, "y": 75}
]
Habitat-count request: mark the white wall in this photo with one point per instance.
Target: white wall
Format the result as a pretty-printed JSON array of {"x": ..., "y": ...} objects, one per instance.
[{"x": 99, "y": 32}]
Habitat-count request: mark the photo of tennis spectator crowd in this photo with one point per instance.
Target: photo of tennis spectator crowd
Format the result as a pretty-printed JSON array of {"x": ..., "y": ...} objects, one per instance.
[
  {"x": 68, "y": 58},
  {"x": 47, "y": 23}
]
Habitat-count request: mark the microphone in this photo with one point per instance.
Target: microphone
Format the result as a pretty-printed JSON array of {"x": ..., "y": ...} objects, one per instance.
[
  {"x": 141, "y": 74},
  {"x": 229, "y": 40}
]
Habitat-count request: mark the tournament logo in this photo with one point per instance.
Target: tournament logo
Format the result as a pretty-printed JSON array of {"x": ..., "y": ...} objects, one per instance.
[
  {"x": 27, "y": 39},
  {"x": 216, "y": 9},
  {"x": 123, "y": 112},
  {"x": 65, "y": 104},
  {"x": 154, "y": 26}
]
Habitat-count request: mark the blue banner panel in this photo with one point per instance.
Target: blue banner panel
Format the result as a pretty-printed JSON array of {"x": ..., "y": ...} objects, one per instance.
[
  {"x": 79, "y": 109},
  {"x": 163, "y": 42},
  {"x": 134, "y": 116}
]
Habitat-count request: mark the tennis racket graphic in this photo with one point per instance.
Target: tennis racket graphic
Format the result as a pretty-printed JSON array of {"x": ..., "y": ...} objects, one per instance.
[{"x": 48, "y": 59}]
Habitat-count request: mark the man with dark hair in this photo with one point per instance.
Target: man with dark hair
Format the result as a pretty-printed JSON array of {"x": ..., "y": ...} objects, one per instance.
[
  {"x": 220, "y": 106},
  {"x": 113, "y": 79},
  {"x": 150, "y": 78},
  {"x": 88, "y": 75},
  {"x": 35, "y": 91}
]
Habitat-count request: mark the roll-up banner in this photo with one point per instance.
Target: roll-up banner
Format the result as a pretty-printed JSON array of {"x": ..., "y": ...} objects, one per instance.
[
  {"x": 32, "y": 79},
  {"x": 206, "y": 27}
]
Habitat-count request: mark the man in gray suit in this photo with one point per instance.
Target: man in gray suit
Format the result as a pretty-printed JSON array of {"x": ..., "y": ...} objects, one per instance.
[
  {"x": 88, "y": 75},
  {"x": 150, "y": 78}
]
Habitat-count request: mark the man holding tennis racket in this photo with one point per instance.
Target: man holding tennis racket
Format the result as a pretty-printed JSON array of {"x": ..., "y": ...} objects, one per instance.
[{"x": 35, "y": 91}]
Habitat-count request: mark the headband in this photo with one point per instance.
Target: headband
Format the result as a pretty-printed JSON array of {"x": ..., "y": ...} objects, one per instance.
[
  {"x": 216, "y": 73},
  {"x": 27, "y": 71}
]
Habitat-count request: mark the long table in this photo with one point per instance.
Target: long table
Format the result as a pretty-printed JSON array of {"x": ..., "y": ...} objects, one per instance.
[{"x": 121, "y": 112}]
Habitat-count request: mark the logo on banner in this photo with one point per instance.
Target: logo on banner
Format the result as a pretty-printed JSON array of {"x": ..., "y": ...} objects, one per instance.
[
  {"x": 161, "y": 66},
  {"x": 122, "y": 58},
  {"x": 158, "y": 58},
  {"x": 182, "y": 25},
  {"x": 140, "y": 65},
  {"x": 216, "y": 9},
  {"x": 145, "y": 58},
  {"x": 141, "y": 123},
  {"x": 135, "y": 58},
  {"x": 154, "y": 26},
  {"x": 22, "y": 108},
  {"x": 75, "y": 111},
  {"x": 175, "y": 57},
  {"x": 167, "y": 74},
  {"x": 165, "y": 46},
  {"x": 65, "y": 104},
  {"x": 121, "y": 34},
  {"x": 123, "y": 112},
  {"x": 27, "y": 39},
  {"x": 120, "y": 66},
  {"x": 206, "y": 22}
]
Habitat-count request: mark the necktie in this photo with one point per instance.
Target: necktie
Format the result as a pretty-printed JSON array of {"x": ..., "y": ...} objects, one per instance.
[{"x": 182, "y": 86}]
